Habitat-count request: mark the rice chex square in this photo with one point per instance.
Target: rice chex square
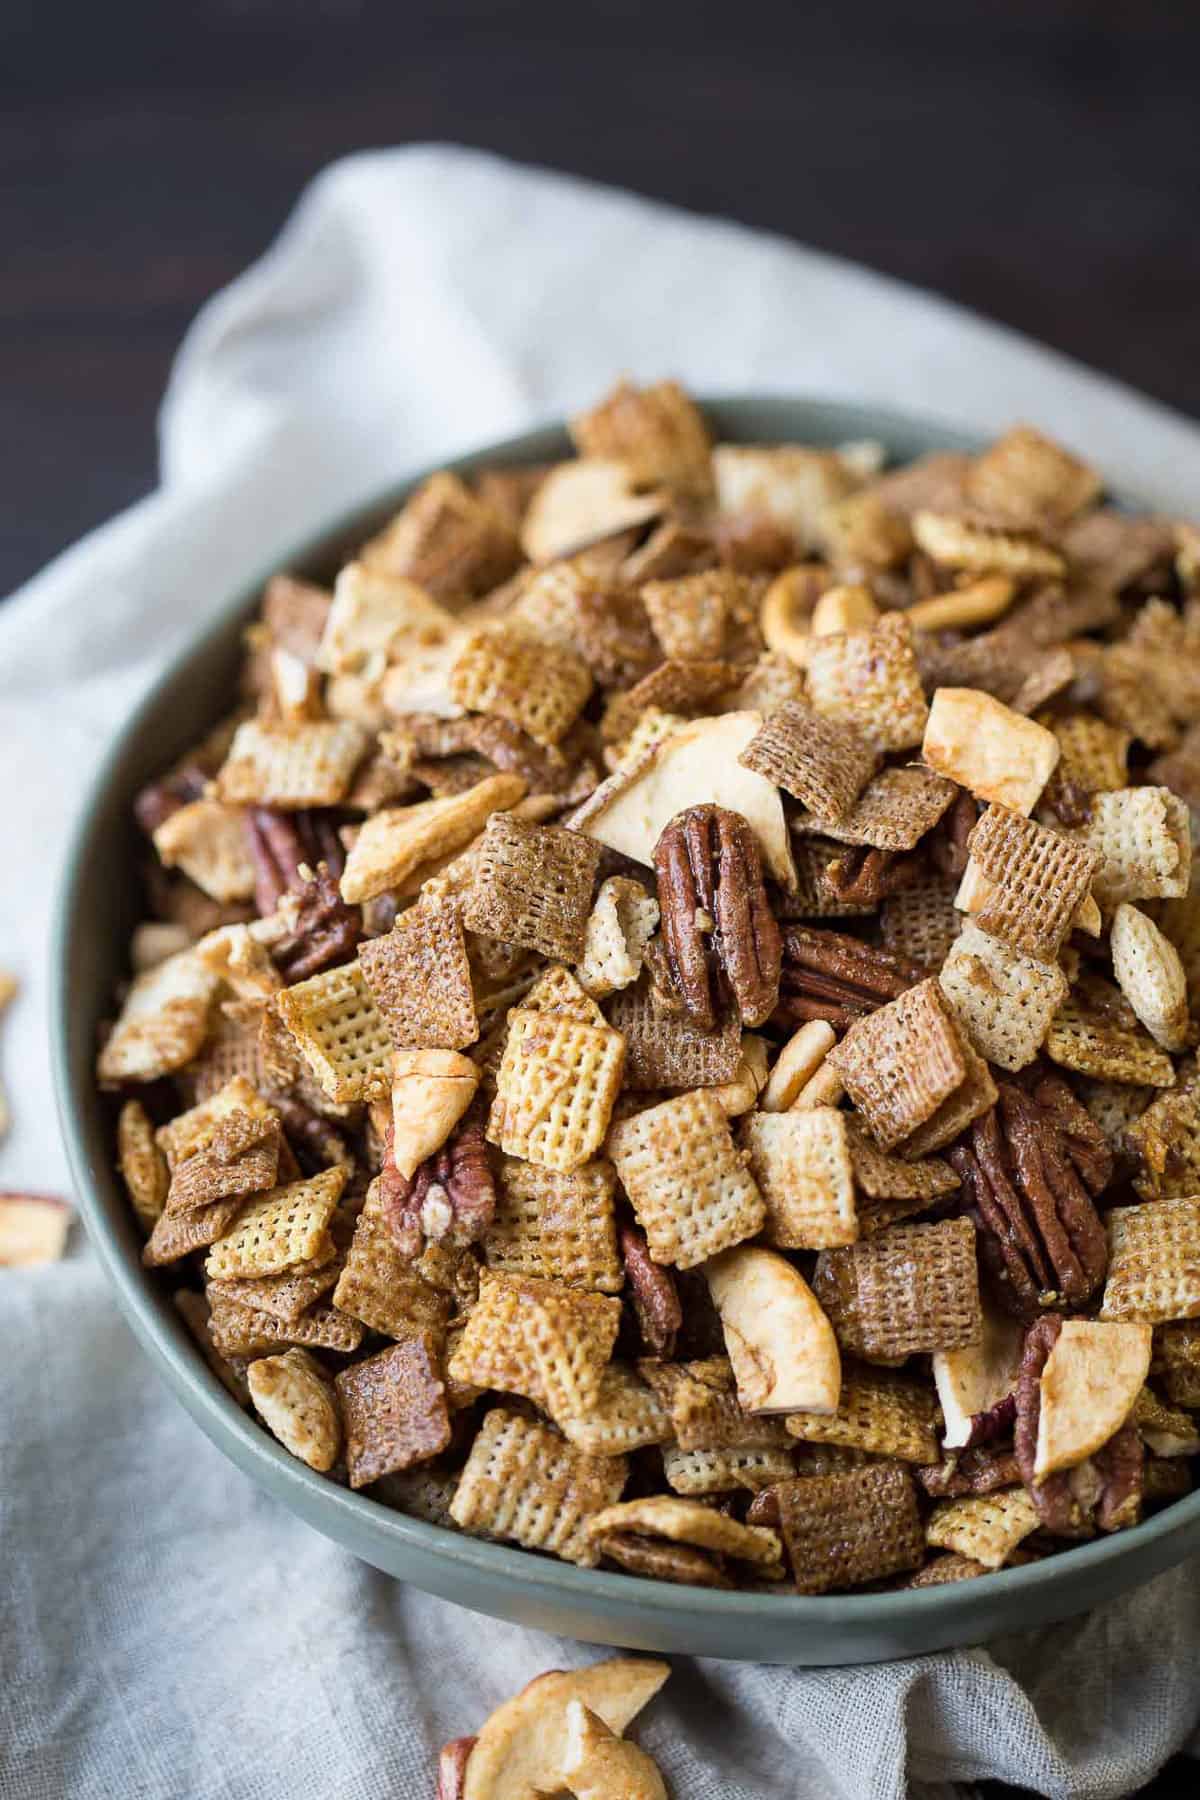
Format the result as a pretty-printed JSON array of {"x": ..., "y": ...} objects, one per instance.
[
  {"x": 879, "y": 1412},
  {"x": 555, "y": 1088},
  {"x": 279, "y": 1229},
  {"x": 525, "y": 1482},
  {"x": 341, "y": 1033},
  {"x": 687, "y": 1183},
  {"x": 1005, "y": 1001},
  {"x": 801, "y": 1162},
  {"x": 556, "y": 1226},
  {"x": 1154, "y": 1261}
]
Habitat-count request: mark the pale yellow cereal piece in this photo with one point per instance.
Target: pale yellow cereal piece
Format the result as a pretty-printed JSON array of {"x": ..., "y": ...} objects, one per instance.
[
  {"x": 1150, "y": 974},
  {"x": 295, "y": 1402},
  {"x": 163, "y": 1023},
  {"x": 1004, "y": 1001},
  {"x": 524, "y": 1482},
  {"x": 541, "y": 1339},
  {"x": 622, "y": 922},
  {"x": 280, "y": 1229},
  {"x": 985, "y": 746},
  {"x": 1143, "y": 839},
  {"x": 291, "y": 765},
  {"x": 688, "y": 1185},
  {"x": 801, "y": 1162},
  {"x": 985, "y": 1527},
  {"x": 625, "y": 1415},
  {"x": 518, "y": 676},
  {"x": 958, "y": 545},
  {"x": 398, "y": 840},
  {"x": 210, "y": 843},
  {"x": 143, "y": 1165},
  {"x": 555, "y": 1090},
  {"x": 341, "y": 1033},
  {"x": 1153, "y": 1261},
  {"x": 724, "y": 1468}
]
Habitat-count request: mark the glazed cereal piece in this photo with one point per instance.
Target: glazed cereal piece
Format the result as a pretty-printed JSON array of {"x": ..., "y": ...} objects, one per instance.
[
  {"x": 985, "y": 1527},
  {"x": 625, "y": 1415},
  {"x": 821, "y": 762},
  {"x": 518, "y": 676},
  {"x": 1153, "y": 1262},
  {"x": 722, "y": 1470},
  {"x": 658, "y": 432},
  {"x": 555, "y": 1089},
  {"x": 239, "y": 1330},
  {"x": 843, "y": 1530},
  {"x": 702, "y": 1404},
  {"x": 381, "y": 1287},
  {"x": 921, "y": 922},
  {"x": 525, "y": 1483},
  {"x": 1030, "y": 481},
  {"x": 240, "y": 1159},
  {"x": 685, "y": 1180},
  {"x": 869, "y": 679},
  {"x": 879, "y": 1412},
  {"x": 556, "y": 1226},
  {"x": 541, "y": 1339},
  {"x": 340, "y": 1032},
  {"x": 533, "y": 886},
  {"x": 901, "y": 1062},
  {"x": 1162, "y": 1131},
  {"x": 208, "y": 840},
  {"x": 294, "y": 1399},
  {"x": 420, "y": 977},
  {"x": 667, "y": 1050},
  {"x": 1099, "y": 1042},
  {"x": 142, "y": 1164},
  {"x": 394, "y": 1406},
  {"x": 279, "y": 1229},
  {"x": 445, "y": 540},
  {"x": 163, "y": 1023},
  {"x": 801, "y": 1163},
  {"x": 893, "y": 812},
  {"x": 693, "y": 615},
  {"x": 912, "y": 1288},
  {"x": 291, "y": 766},
  {"x": 1034, "y": 882},
  {"x": 956, "y": 544},
  {"x": 1005, "y": 1001}
]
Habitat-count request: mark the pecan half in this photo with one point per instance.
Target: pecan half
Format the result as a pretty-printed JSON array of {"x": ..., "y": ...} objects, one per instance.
[
  {"x": 317, "y": 1144},
  {"x": 865, "y": 877},
  {"x": 829, "y": 975},
  {"x": 1121, "y": 1466},
  {"x": 719, "y": 933},
  {"x": 997, "y": 1421},
  {"x": 325, "y": 930},
  {"x": 281, "y": 842},
  {"x": 1040, "y": 1234},
  {"x": 948, "y": 851},
  {"x": 451, "y": 1197},
  {"x": 154, "y": 805},
  {"x": 652, "y": 1294},
  {"x": 978, "y": 1471}
]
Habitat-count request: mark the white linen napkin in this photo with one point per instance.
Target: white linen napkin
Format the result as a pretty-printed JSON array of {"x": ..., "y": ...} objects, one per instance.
[{"x": 164, "y": 1628}]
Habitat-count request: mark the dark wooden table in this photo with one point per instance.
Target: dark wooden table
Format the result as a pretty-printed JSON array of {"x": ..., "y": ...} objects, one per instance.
[{"x": 1037, "y": 159}]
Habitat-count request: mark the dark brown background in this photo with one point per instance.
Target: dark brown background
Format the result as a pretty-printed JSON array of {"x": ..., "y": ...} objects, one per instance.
[{"x": 1038, "y": 159}]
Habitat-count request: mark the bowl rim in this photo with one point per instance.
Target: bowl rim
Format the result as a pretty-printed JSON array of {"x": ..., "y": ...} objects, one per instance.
[{"x": 174, "y": 1354}]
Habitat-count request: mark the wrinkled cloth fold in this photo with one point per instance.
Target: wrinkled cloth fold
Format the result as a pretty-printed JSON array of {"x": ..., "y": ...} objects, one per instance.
[{"x": 165, "y": 1629}]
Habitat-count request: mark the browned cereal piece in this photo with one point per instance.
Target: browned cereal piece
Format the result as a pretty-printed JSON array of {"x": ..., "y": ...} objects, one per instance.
[
  {"x": 394, "y": 1406},
  {"x": 879, "y": 1412},
  {"x": 1142, "y": 839},
  {"x": 559, "y": 1227},
  {"x": 667, "y": 1050},
  {"x": 445, "y": 539},
  {"x": 911, "y": 1288},
  {"x": 423, "y": 1492},
  {"x": 1177, "y": 1361},
  {"x": 702, "y": 1402},
  {"x": 209, "y": 842},
  {"x": 241, "y": 1158},
  {"x": 192, "y": 1131},
  {"x": 626, "y": 1415},
  {"x": 958, "y": 543},
  {"x": 869, "y": 679},
  {"x": 1163, "y": 1134},
  {"x": 239, "y": 1330},
  {"x": 380, "y": 1286},
  {"x": 395, "y": 844},
  {"x": 1030, "y": 482},
  {"x": 232, "y": 1049},
  {"x": 694, "y": 617},
  {"x": 940, "y": 1570},
  {"x": 1093, "y": 757},
  {"x": 985, "y": 1527},
  {"x": 660, "y": 1516},
  {"x": 843, "y": 1530},
  {"x": 892, "y": 1188},
  {"x": 294, "y": 1399},
  {"x": 279, "y": 1229},
  {"x": 555, "y": 1089},
  {"x": 421, "y": 978},
  {"x": 788, "y": 486},
  {"x": 143, "y": 1165},
  {"x": 894, "y": 811},
  {"x": 676, "y": 547},
  {"x": 1115, "y": 549},
  {"x": 556, "y": 990},
  {"x": 229, "y": 1371},
  {"x": 1106, "y": 1044},
  {"x": 541, "y": 1339},
  {"x": 1114, "y": 1107},
  {"x": 1150, "y": 974},
  {"x": 533, "y": 886},
  {"x": 291, "y": 766},
  {"x": 687, "y": 1183},
  {"x": 515, "y": 675},
  {"x": 340, "y": 1032},
  {"x": 620, "y": 925},
  {"x": 995, "y": 752},
  {"x": 658, "y": 1560},
  {"x": 721, "y": 1470},
  {"x": 178, "y": 1234},
  {"x": 524, "y": 1482},
  {"x": 1005, "y": 1001},
  {"x": 675, "y": 687},
  {"x": 801, "y": 1162},
  {"x": 921, "y": 923},
  {"x": 901, "y": 1062},
  {"x": 1153, "y": 1261},
  {"x": 286, "y": 1297},
  {"x": 1035, "y": 881},
  {"x": 822, "y": 762},
  {"x": 163, "y": 1023},
  {"x": 967, "y": 1103},
  {"x": 658, "y": 432}
]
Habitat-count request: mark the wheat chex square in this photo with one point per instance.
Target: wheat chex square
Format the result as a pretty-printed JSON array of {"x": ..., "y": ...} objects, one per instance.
[
  {"x": 821, "y": 762},
  {"x": 420, "y": 976},
  {"x": 901, "y": 1062},
  {"x": 843, "y": 1530},
  {"x": 533, "y": 886},
  {"x": 911, "y": 1288}
]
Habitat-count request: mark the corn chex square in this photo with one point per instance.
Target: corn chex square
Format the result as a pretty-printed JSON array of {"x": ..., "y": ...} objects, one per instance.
[
  {"x": 667, "y": 1050},
  {"x": 1153, "y": 1261},
  {"x": 658, "y": 432},
  {"x": 556, "y": 1226},
  {"x": 1036, "y": 878},
  {"x": 540, "y": 1339},
  {"x": 555, "y": 1089},
  {"x": 1104, "y": 1044},
  {"x": 626, "y": 1415},
  {"x": 869, "y": 679},
  {"x": 801, "y": 1162},
  {"x": 163, "y": 1023},
  {"x": 381, "y": 1287},
  {"x": 985, "y": 1527},
  {"x": 879, "y": 1412},
  {"x": 1142, "y": 839},
  {"x": 721, "y": 1471},
  {"x": 1093, "y": 755},
  {"x": 291, "y": 766},
  {"x": 843, "y": 1530},
  {"x": 911, "y": 1288},
  {"x": 394, "y": 1408},
  {"x": 1004, "y": 1001},
  {"x": 533, "y": 886},
  {"x": 341, "y": 1033},
  {"x": 420, "y": 976},
  {"x": 901, "y": 1062},
  {"x": 822, "y": 762},
  {"x": 518, "y": 676},
  {"x": 280, "y": 1229},
  {"x": 524, "y": 1482},
  {"x": 688, "y": 1185},
  {"x": 556, "y": 990}
]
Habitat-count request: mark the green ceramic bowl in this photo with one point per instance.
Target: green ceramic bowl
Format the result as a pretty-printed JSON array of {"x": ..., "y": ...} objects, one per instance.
[{"x": 98, "y": 907}]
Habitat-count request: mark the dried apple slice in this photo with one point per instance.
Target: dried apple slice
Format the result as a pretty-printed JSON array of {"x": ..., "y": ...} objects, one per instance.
[
  {"x": 599, "y": 1765},
  {"x": 33, "y": 1229},
  {"x": 1091, "y": 1379},
  {"x": 782, "y": 1347},
  {"x": 523, "y": 1746},
  {"x": 976, "y": 1377}
]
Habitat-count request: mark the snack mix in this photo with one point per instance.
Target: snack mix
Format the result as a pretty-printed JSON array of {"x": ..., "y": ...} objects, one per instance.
[{"x": 662, "y": 1029}]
